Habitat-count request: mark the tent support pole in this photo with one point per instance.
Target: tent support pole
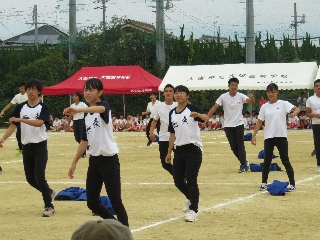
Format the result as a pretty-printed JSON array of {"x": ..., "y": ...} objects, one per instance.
[{"x": 124, "y": 106}]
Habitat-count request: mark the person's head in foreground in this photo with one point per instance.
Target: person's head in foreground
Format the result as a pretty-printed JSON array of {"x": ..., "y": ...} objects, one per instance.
[{"x": 105, "y": 229}]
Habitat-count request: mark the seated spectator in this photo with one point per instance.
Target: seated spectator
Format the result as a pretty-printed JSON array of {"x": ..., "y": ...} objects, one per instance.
[
  {"x": 115, "y": 123},
  {"x": 102, "y": 229},
  {"x": 147, "y": 119},
  {"x": 129, "y": 126},
  {"x": 304, "y": 121},
  {"x": 56, "y": 125},
  {"x": 142, "y": 124},
  {"x": 247, "y": 120},
  {"x": 221, "y": 118},
  {"x": 293, "y": 123},
  {"x": 214, "y": 123},
  {"x": 254, "y": 119},
  {"x": 122, "y": 123},
  {"x": 64, "y": 124}
]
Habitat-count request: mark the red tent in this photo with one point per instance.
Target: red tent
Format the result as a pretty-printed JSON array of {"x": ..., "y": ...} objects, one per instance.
[{"x": 115, "y": 79}]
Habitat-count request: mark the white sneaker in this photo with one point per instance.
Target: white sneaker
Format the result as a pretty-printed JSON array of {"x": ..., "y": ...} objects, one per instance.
[
  {"x": 191, "y": 216},
  {"x": 291, "y": 187},
  {"x": 318, "y": 168},
  {"x": 263, "y": 187},
  {"x": 186, "y": 206},
  {"x": 48, "y": 211}
]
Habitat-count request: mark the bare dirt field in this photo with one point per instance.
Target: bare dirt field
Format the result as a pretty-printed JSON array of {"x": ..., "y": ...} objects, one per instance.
[{"x": 232, "y": 207}]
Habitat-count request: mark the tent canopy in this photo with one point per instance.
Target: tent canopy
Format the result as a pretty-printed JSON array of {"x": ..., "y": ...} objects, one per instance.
[
  {"x": 251, "y": 76},
  {"x": 115, "y": 79}
]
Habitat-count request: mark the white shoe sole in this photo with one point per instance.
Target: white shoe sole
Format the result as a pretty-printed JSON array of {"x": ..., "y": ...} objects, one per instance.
[{"x": 191, "y": 220}]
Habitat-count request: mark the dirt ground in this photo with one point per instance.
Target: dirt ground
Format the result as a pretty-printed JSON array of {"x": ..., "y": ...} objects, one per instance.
[{"x": 232, "y": 207}]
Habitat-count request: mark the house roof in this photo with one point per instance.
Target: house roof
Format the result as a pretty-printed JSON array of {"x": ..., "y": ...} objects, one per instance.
[
  {"x": 139, "y": 25},
  {"x": 46, "y": 33}
]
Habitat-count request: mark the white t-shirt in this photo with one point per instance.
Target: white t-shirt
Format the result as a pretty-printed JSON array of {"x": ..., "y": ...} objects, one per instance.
[
  {"x": 213, "y": 120},
  {"x": 245, "y": 123},
  {"x": 98, "y": 131},
  {"x": 31, "y": 134},
  {"x": 56, "y": 123},
  {"x": 274, "y": 116},
  {"x": 254, "y": 120},
  {"x": 221, "y": 120},
  {"x": 80, "y": 115},
  {"x": 313, "y": 103},
  {"x": 152, "y": 108},
  {"x": 232, "y": 107},
  {"x": 19, "y": 98},
  {"x": 162, "y": 113},
  {"x": 184, "y": 127},
  {"x": 295, "y": 120},
  {"x": 122, "y": 121}
]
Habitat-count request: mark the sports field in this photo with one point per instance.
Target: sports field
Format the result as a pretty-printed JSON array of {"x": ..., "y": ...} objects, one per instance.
[{"x": 232, "y": 207}]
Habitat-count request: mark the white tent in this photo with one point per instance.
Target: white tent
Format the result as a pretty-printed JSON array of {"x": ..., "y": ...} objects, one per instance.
[
  {"x": 251, "y": 76},
  {"x": 318, "y": 75}
]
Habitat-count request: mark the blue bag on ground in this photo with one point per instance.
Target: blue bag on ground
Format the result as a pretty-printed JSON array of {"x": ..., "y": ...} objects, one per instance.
[
  {"x": 277, "y": 188},
  {"x": 257, "y": 167},
  {"x": 261, "y": 155},
  {"x": 247, "y": 137},
  {"x": 79, "y": 194}
]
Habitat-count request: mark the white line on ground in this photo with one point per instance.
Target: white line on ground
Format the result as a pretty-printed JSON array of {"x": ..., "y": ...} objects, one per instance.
[
  {"x": 13, "y": 161},
  {"x": 237, "y": 200}
]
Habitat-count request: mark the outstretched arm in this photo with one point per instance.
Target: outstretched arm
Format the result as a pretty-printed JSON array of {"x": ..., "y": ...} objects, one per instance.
[
  {"x": 212, "y": 110},
  {"x": 91, "y": 109},
  {"x": 7, "y": 134},
  {"x": 6, "y": 108}
]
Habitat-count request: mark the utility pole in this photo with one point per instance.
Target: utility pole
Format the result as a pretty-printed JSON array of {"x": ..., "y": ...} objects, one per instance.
[
  {"x": 160, "y": 51},
  {"x": 250, "y": 46},
  {"x": 103, "y": 12},
  {"x": 35, "y": 22},
  {"x": 72, "y": 29},
  {"x": 35, "y": 19},
  {"x": 296, "y": 22}
]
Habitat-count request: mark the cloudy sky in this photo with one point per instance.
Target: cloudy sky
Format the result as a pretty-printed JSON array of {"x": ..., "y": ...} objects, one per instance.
[{"x": 198, "y": 16}]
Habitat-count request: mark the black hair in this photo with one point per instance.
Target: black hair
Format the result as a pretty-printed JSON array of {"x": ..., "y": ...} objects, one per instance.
[
  {"x": 34, "y": 83},
  {"x": 168, "y": 86},
  {"x": 153, "y": 93},
  {"x": 303, "y": 93},
  {"x": 236, "y": 80},
  {"x": 79, "y": 95},
  {"x": 246, "y": 112},
  {"x": 181, "y": 88},
  {"x": 94, "y": 83},
  {"x": 316, "y": 81},
  {"x": 22, "y": 84},
  {"x": 272, "y": 87}
]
